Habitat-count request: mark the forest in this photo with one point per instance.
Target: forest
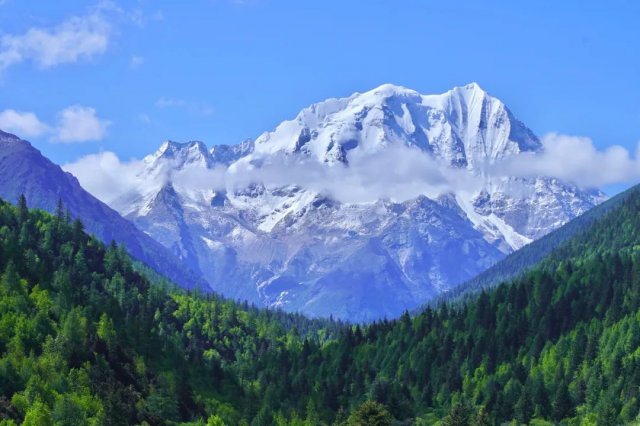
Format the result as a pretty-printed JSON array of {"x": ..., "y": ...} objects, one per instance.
[{"x": 89, "y": 337}]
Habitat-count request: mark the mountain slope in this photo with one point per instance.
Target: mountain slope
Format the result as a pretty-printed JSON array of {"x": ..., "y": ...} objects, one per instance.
[
  {"x": 24, "y": 170},
  {"x": 86, "y": 340},
  {"x": 560, "y": 342},
  {"x": 94, "y": 342},
  {"x": 359, "y": 207},
  {"x": 530, "y": 255}
]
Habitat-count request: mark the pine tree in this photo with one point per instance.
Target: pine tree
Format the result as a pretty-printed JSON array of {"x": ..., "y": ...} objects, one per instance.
[
  {"x": 562, "y": 405},
  {"x": 524, "y": 407},
  {"x": 23, "y": 210}
]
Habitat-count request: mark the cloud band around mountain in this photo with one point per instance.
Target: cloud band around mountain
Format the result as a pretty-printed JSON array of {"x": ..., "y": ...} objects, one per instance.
[{"x": 396, "y": 173}]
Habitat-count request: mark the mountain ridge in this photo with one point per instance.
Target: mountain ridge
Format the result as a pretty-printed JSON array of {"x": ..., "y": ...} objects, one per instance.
[{"x": 25, "y": 171}]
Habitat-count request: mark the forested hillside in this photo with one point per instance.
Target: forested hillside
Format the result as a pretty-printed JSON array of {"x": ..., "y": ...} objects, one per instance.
[{"x": 84, "y": 339}]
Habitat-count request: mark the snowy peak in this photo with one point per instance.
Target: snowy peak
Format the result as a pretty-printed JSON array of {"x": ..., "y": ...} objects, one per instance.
[
  {"x": 178, "y": 155},
  {"x": 384, "y": 92},
  {"x": 465, "y": 127},
  {"x": 181, "y": 153}
]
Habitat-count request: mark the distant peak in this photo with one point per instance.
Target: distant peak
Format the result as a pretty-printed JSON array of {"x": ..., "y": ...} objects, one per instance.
[
  {"x": 172, "y": 146},
  {"x": 166, "y": 146},
  {"x": 183, "y": 145},
  {"x": 182, "y": 152}
]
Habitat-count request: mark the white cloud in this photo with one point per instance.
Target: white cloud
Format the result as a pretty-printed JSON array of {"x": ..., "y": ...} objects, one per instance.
[
  {"x": 75, "y": 39},
  {"x": 74, "y": 124},
  {"x": 576, "y": 159},
  {"x": 396, "y": 173},
  {"x": 104, "y": 175},
  {"x": 25, "y": 124},
  {"x": 79, "y": 124},
  {"x": 108, "y": 178},
  {"x": 198, "y": 108}
]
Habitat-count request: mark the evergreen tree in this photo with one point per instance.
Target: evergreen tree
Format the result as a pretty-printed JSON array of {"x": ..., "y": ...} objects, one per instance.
[
  {"x": 459, "y": 415},
  {"x": 562, "y": 406}
]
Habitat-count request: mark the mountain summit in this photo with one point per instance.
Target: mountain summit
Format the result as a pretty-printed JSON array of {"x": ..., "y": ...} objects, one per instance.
[
  {"x": 359, "y": 207},
  {"x": 464, "y": 126}
]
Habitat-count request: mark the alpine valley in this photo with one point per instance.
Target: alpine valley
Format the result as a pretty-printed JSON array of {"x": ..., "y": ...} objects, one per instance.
[{"x": 285, "y": 221}]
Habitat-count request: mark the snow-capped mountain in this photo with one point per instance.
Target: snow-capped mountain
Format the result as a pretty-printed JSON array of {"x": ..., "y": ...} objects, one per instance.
[{"x": 359, "y": 207}]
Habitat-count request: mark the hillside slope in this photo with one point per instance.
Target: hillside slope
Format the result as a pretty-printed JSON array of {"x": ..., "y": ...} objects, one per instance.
[
  {"x": 522, "y": 260},
  {"x": 560, "y": 344},
  {"x": 86, "y": 340},
  {"x": 24, "y": 170}
]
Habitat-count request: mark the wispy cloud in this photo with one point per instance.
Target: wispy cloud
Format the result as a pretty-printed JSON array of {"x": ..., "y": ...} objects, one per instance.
[
  {"x": 74, "y": 124},
  {"x": 136, "y": 62},
  {"x": 144, "y": 118},
  {"x": 192, "y": 107},
  {"x": 397, "y": 174},
  {"x": 576, "y": 159},
  {"x": 104, "y": 175},
  {"x": 140, "y": 18},
  {"x": 26, "y": 124},
  {"x": 77, "y": 38},
  {"x": 80, "y": 124}
]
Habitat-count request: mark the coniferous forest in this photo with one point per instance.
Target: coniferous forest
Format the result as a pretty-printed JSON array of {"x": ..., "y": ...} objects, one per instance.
[{"x": 87, "y": 338}]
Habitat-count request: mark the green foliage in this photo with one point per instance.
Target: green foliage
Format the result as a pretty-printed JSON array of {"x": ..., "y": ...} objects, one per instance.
[
  {"x": 38, "y": 414},
  {"x": 460, "y": 415},
  {"x": 87, "y": 339},
  {"x": 215, "y": 421},
  {"x": 370, "y": 413}
]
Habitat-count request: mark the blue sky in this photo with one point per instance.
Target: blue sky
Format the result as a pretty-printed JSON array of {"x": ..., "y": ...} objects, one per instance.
[{"x": 222, "y": 71}]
